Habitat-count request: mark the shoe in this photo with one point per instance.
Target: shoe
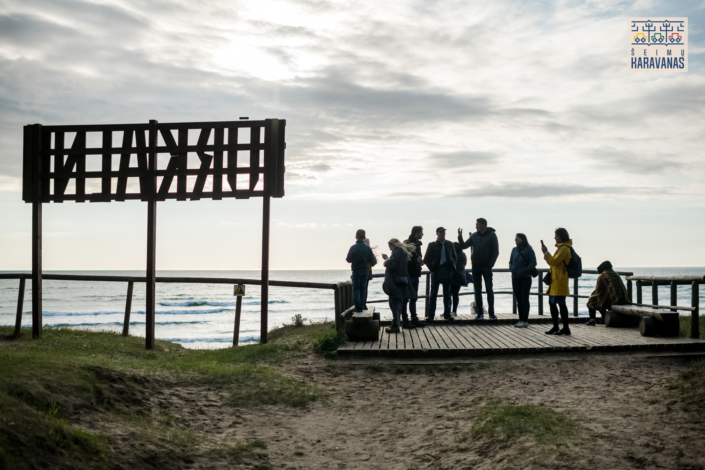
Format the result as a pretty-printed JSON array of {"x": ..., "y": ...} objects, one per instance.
[
  {"x": 521, "y": 324},
  {"x": 392, "y": 329},
  {"x": 418, "y": 323},
  {"x": 562, "y": 332},
  {"x": 430, "y": 320},
  {"x": 358, "y": 311},
  {"x": 407, "y": 325},
  {"x": 480, "y": 317},
  {"x": 493, "y": 316},
  {"x": 448, "y": 317},
  {"x": 590, "y": 322},
  {"x": 552, "y": 330}
]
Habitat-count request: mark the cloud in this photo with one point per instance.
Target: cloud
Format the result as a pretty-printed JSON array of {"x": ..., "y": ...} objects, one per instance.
[
  {"x": 462, "y": 159},
  {"x": 537, "y": 190},
  {"x": 634, "y": 162}
]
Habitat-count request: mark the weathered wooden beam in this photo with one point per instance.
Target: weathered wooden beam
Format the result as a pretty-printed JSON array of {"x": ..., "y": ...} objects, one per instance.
[
  {"x": 674, "y": 293},
  {"x": 236, "y": 328},
  {"x": 20, "y": 305},
  {"x": 575, "y": 298},
  {"x": 668, "y": 279},
  {"x": 654, "y": 294},
  {"x": 264, "y": 316},
  {"x": 695, "y": 315},
  {"x": 540, "y": 294},
  {"x": 151, "y": 281},
  {"x": 128, "y": 309},
  {"x": 37, "y": 145},
  {"x": 629, "y": 291}
]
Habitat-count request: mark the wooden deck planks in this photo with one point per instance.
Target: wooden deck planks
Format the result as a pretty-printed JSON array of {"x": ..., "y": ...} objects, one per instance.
[{"x": 481, "y": 338}]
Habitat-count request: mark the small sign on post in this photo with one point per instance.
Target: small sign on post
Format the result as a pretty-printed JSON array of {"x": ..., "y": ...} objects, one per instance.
[{"x": 239, "y": 293}]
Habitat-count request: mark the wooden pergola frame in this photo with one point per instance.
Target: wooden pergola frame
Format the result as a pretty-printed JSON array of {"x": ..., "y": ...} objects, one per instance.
[{"x": 47, "y": 160}]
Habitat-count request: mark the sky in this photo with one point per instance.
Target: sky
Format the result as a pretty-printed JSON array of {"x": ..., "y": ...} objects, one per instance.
[{"x": 429, "y": 113}]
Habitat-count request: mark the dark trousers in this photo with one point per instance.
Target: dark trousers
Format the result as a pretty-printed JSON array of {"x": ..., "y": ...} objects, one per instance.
[
  {"x": 359, "y": 281},
  {"x": 564, "y": 315},
  {"x": 367, "y": 290},
  {"x": 455, "y": 294},
  {"x": 396, "y": 305},
  {"x": 478, "y": 273},
  {"x": 435, "y": 284},
  {"x": 522, "y": 287},
  {"x": 593, "y": 313},
  {"x": 411, "y": 302}
]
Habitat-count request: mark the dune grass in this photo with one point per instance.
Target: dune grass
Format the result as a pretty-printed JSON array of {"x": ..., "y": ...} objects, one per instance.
[
  {"x": 46, "y": 384},
  {"x": 685, "y": 320}
]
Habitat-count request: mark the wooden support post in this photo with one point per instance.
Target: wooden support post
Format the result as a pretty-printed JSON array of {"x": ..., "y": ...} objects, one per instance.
[
  {"x": 629, "y": 291},
  {"x": 638, "y": 292},
  {"x": 351, "y": 296},
  {"x": 695, "y": 315},
  {"x": 575, "y": 297},
  {"x": 654, "y": 293},
  {"x": 428, "y": 292},
  {"x": 674, "y": 294},
  {"x": 514, "y": 304},
  {"x": 128, "y": 309},
  {"x": 151, "y": 281},
  {"x": 20, "y": 305},
  {"x": 36, "y": 146},
  {"x": 238, "y": 311},
  {"x": 265, "y": 269},
  {"x": 337, "y": 298},
  {"x": 540, "y": 293}
]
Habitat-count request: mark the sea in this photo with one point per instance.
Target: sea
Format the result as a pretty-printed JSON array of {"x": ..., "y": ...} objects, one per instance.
[{"x": 201, "y": 316}]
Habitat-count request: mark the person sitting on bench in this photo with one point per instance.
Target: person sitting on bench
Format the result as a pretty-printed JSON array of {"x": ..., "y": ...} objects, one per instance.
[{"x": 610, "y": 290}]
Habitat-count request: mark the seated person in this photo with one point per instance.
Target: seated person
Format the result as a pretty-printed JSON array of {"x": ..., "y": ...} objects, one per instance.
[{"x": 609, "y": 291}]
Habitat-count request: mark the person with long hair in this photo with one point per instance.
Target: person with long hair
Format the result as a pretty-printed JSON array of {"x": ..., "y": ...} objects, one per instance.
[
  {"x": 609, "y": 290},
  {"x": 522, "y": 262},
  {"x": 558, "y": 287},
  {"x": 414, "y": 267},
  {"x": 396, "y": 281}
]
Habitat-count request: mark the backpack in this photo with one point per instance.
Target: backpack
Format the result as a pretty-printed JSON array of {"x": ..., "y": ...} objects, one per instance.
[{"x": 575, "y": 265}]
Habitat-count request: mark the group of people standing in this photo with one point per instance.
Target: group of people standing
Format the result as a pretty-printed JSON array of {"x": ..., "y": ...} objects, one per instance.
[{"x": 448, "y": 265}]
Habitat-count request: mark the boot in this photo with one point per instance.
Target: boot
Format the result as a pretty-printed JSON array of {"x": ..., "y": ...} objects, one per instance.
[
  {"x": 417, "y": 323},
  {"x": 407, "y": 325},
  {"x": 392, "y": 329},
  {"x": 554, "y": 317},
  {"x": 564, "y": 318}
]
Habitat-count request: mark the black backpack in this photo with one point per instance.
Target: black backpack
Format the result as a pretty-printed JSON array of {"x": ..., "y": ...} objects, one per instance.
[{"x": 575, "y": 265}]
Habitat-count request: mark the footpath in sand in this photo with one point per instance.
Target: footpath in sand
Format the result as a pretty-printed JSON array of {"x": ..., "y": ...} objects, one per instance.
[{"x": 572, "y": 410}]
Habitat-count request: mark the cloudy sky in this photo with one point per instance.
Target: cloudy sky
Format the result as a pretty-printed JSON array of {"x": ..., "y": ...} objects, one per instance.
[{"x": 398, "y": 113}]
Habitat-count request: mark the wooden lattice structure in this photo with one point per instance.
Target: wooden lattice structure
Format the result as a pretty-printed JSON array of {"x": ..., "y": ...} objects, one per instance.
[{"x": 151, "y": 162}]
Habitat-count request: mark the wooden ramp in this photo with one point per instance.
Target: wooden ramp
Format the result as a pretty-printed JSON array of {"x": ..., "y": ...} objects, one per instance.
[{"x": 443, "y": 339}]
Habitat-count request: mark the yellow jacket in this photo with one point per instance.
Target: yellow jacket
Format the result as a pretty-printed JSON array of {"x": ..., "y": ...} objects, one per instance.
[{"x": 559, "y": 270}]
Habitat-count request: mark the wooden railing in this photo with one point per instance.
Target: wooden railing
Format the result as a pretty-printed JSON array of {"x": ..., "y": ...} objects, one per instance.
[
  {"x": 342, "y": 290},
  {"x": 673, "y": 282}
]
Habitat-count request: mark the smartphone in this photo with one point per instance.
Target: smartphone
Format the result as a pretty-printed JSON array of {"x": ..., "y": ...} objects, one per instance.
[{"x": 542, "y": 242}]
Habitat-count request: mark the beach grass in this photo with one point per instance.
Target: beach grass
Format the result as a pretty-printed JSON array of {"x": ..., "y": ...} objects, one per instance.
[
  {"x": 47, "y": 386},
  {"x": 686, "y": 321}
]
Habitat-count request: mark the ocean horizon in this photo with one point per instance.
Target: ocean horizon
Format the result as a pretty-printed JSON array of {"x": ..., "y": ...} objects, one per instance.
[{"x": 202, "y": 315}]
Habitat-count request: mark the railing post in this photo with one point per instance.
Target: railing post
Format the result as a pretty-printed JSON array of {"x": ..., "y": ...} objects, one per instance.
[
  {"x": 629, "y": 291},
  {"x": 428, "y": 292},
  {"x": 20, "y": 305},
  {"x": 638, "y": 292},
  {"x": 575, "y": 297},
  {"x": 128, "y": 310},
  {"x": 236, "y": 328},
  {"x": 654, "y": 292},
  {"x": 695, "y": 315},
  {"x": 351, "y": 298},
  {"x": 540, "y": 293},
  {"x": 674, "y": 294},
  {"x": 337, "y": 296}
]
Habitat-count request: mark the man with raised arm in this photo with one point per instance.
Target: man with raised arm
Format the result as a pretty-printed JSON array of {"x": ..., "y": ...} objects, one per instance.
[
  {"x": 361, "y": 258},
  {"x": 485, "y": 250}
]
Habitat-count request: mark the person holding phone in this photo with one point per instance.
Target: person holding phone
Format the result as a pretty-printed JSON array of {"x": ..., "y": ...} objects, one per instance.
[
  {"x": 396, "y": 282},
  {"x": 558, "y": 286}
]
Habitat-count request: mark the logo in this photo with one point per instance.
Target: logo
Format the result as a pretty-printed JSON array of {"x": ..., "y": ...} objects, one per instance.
[{"x": 658, "y": 44}]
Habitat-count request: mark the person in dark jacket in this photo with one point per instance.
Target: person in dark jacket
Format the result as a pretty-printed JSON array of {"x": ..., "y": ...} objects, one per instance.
[
  {"x": 361, "y": 258},
  {"x": 440, "y": 259},
  {"x": 396, "y": 281},
  {"x": 485, "y": 250},
  {"x": 609, "y": 290},
  {"x": 414, "y": 267},
  {"x": 459, "y": 277},
  {"x": 522, "y": 262}
]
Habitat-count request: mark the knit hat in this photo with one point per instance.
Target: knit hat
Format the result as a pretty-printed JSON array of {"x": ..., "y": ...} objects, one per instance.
[{"x": 605, "y": 265}]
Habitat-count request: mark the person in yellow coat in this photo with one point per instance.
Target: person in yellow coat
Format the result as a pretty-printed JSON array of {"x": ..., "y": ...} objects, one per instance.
[{"x": 558, "y": 288}]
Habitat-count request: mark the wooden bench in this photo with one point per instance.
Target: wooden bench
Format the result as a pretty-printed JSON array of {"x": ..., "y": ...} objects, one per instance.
[
  {"x": 651, "y": 321},
  {"x": 361, "y": 326}
]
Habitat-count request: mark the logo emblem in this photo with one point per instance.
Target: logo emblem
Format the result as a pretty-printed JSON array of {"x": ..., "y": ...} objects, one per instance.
[{"x": 658, "y": 44}]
